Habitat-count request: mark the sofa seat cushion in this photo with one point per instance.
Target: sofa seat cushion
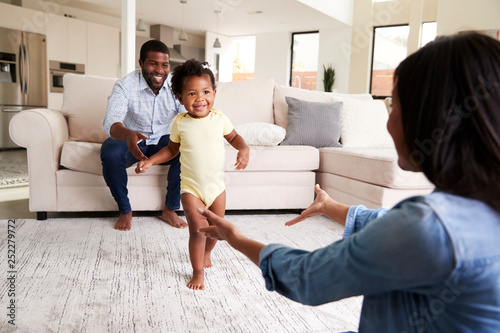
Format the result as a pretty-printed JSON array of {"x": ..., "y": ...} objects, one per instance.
[
  {"x": 276, "y": 158},
  {"x": 377, "y": 166},
  {"x": 85, "y": 157}
]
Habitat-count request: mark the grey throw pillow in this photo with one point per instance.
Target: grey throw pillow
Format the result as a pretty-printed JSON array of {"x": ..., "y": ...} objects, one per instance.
[{"x": 313, "y": 123}]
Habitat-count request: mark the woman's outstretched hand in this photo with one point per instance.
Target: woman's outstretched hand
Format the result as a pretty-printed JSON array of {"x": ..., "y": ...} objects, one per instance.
[
  {"x": 222, "y": 229},
  {"x": 315, "y": 209},
  {"x": 219, "y": 228}
]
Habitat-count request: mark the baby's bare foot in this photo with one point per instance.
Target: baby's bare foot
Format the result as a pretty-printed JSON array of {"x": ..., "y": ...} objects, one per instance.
[
  {"x": 170, "y": 216},
  {"x": 197, "y": 281},
  {"x": 124, "y": 222}
]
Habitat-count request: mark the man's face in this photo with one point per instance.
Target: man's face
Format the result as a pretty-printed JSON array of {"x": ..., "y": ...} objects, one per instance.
[{"x": 155, "y": 69}]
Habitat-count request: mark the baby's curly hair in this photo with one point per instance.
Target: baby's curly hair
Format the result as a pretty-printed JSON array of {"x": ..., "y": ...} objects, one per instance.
[{"x": 191, "y": 67}]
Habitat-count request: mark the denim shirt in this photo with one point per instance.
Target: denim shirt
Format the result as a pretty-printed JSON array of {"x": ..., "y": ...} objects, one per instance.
[{"x": 430, "y": 264}]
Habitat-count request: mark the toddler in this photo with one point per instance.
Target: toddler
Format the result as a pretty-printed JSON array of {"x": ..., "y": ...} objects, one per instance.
[{"x": 198, "y": 135}]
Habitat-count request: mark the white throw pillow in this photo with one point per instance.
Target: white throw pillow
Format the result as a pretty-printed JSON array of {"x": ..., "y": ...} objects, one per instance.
[
  {"x": 364, "y": 124},
  {"x": 261, "y": 134}
]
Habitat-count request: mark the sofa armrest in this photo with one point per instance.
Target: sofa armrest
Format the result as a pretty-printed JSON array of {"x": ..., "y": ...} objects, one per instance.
[{"x": 43, "y": 133}]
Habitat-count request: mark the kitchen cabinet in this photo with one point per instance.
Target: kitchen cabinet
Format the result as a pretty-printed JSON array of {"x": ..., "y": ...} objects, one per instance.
[
  {"x": 20, "y": 18},
  {"x": 66, "y": 39},
  {"x": 103, "y": 50}
]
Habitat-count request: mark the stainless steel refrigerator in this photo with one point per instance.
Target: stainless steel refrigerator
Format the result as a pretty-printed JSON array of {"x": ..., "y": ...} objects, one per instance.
[{"x": 23, "y": 76}]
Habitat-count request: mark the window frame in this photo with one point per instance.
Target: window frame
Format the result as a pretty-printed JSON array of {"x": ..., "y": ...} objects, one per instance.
[
  {"x": 291, "y": 51},
  {"x": 373, "y": 55}
]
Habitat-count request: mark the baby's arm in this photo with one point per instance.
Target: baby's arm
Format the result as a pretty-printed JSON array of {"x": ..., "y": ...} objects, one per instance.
[
  {"x": 238, "y": 143},
  {"x": 164, "y": 155}
]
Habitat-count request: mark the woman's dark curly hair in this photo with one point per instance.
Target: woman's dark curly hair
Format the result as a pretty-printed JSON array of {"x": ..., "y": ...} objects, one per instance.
[
  {"x": 189, "y": 68},
  {"x": 449, "y": 92}
]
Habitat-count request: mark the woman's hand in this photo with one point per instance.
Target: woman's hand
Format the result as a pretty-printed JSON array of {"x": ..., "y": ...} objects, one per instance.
[
  {"x": 222, "y": 229},
  {"x": 219, "y": 228},
  {"x": 316, "y": 208}
]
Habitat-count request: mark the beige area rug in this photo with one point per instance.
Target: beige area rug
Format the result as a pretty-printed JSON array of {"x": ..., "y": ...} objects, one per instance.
[
  {"x": 13, "y": 173},
  {"x": 80, "y": 275}
]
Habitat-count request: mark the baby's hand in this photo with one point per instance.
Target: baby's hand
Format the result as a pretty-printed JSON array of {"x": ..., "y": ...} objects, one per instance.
[
  {"x": 242, "y": 158},
  {"x": 142, "y": 166}
]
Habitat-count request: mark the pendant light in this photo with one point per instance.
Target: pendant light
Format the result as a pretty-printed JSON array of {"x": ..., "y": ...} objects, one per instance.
[
  {"x": 183, "y": 36},
  {"x": 140, "y": 25},
  {"x": 217, "y": 41}
]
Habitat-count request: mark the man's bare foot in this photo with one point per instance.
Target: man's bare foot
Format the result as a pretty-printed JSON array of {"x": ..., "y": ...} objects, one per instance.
[
  {"x": 170, "y": 216},
  {"x": 208, "y": 261},
  {"x": 124, "y": 222},
  {"x": 197, "y": 281}
]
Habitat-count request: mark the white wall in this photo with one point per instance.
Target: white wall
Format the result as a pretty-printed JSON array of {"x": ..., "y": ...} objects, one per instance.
[
  {"x": 334, "y": 49},
  {"x": 272, "y": 57},
  {"x": 338, "y": 9},
  {"x": 459, "y": 15},
  {"x": 451, "y": 16}
]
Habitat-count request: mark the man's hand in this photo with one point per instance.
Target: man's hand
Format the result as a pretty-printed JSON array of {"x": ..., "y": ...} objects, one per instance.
[
  {"x": 119, "y": 132},
  {"x": 132, "y": 139}
]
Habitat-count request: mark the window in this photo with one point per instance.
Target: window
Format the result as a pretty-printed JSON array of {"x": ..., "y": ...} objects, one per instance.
[
  {"x": 429, "y": 30},
  {"x": 304, "y": 66},
  {"x": 243, "y": 49},
  {"x": 390, "y": 47}
]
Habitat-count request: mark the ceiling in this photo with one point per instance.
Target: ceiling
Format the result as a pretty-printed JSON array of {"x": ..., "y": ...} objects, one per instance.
[{"x": 237, "y": 17}]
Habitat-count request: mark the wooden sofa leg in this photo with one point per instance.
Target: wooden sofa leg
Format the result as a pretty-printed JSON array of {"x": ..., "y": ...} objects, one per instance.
[{"x": 40, "y": 216}]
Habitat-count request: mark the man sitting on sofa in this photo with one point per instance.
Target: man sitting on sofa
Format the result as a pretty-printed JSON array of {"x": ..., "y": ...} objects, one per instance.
[{"x": 137, "y": 121}]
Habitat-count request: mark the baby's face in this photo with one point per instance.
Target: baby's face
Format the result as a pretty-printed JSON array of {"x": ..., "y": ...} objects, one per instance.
[{"x": 198, "y": 95}]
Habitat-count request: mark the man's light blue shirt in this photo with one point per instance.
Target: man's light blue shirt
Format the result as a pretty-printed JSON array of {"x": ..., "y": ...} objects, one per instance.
[
  {"x": 133, "y": 103},
  {"x": 430, "y": 264}
]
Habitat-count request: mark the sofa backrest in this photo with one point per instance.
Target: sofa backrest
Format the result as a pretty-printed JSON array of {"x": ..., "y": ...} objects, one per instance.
[
  {"x": 86, "y": 96},
  {"x": 246, "y": 101},
  {"x": 84, "y": 104},
  {"x": 281, "y": 107}
]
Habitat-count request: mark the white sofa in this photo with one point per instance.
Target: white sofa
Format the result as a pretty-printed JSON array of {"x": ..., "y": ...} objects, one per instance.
[{"x": 65, "y": 173}]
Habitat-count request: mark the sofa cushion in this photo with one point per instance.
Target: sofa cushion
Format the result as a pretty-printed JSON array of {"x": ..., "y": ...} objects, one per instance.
[
  {"x": 281, "y": 107},
  {"x": 246, "y": 101},
  {"x": 363, "y": 124},
  {"x": 377, "y": 166},
  {"x": 85, "y": 157},
  {"x": 276, "y": 158},
  {"x": 84, "y": 103},
  {"x": 313, "y": 123}
]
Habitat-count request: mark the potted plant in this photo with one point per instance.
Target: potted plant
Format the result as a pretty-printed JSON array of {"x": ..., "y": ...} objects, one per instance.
[{"x": 328, "y": 77}]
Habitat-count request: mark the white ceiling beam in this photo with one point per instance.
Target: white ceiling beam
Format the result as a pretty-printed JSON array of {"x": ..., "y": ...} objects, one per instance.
[{"x": 127, "y": 37}]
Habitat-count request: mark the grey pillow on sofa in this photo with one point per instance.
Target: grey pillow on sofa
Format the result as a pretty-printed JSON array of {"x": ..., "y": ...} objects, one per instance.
[{"x": 313, "y": 123}]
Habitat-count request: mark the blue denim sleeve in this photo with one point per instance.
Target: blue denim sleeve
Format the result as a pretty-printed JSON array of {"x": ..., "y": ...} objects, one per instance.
[
  {"x": 404, "y": 248},
  {"x": 359, "y": 216}
]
